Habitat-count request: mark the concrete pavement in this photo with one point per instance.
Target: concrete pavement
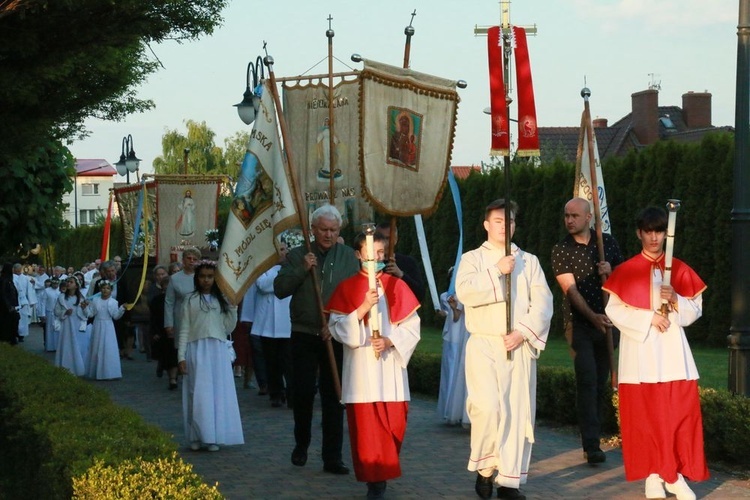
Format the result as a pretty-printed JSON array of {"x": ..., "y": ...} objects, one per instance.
[{"x": 433, "y": 458}]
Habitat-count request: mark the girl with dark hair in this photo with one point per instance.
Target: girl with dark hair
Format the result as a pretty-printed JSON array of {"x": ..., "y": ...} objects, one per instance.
[
  {"x": 209, "y": 399},
  {"x": 70, "y": 309}
]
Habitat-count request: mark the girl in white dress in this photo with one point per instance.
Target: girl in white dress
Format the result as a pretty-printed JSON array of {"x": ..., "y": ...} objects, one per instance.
[
  {"x": 104, "y": 354},
  {"x": 209, "y": 397},
  {"x": 49, "y": 297},
  {"x": 70, "y": 309},
  {"x": 451, "y": 406}
]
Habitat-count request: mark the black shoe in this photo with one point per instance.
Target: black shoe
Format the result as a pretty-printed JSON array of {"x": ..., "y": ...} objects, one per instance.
[
  {"x": 513, "y": 493},
  {"x": 172, "y": 385},
  {"x": 299, "y": 456},
  {"x": 483, "y": 486},
  {"x": 376, "y": 490},
  {"x": 336, "y": 468},
  {"x": 595, "y": 456}
]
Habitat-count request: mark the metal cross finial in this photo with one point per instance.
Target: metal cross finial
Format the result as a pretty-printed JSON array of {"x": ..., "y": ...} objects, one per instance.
[
  {"x": 264, "y": 47},
  {"x": 412, "y": 17},
  {"x": 329, "y": 21}
]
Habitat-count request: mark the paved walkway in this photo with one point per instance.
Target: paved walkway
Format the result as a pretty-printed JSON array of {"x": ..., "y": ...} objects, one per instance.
[{"x": 433, "y": 457}]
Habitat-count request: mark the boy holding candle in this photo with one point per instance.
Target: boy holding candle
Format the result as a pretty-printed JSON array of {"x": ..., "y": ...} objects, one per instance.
[
  {"x": 661, "y": 423},
  {"x": 375, "y": 385}
]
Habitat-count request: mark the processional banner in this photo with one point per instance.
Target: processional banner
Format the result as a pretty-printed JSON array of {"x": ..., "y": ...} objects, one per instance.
[
  {"x": 306, "y": 109},
  {"x": 187, "y": 207},
  {"x": 128, "y": 198},
  {"x": 583, "y": 186},
  {"x": 262, "y": 207},
  {"x": 407, "y": 125}
]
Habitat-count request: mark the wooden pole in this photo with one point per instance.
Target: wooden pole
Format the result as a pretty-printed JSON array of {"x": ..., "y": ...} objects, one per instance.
[
  {"x": 598, "y": 223},
  {"x": 297, "y": 196}
]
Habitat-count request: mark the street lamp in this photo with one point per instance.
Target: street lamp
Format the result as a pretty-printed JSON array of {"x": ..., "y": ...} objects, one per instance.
[
  {"x": 248, "y": 108},
  {"x": 128, "y": 161}
]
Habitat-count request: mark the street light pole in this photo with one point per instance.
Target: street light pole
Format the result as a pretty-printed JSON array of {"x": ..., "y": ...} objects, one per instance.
[
  {"x": 739, "y": 331},
  {"x": 128, "y": 162}
]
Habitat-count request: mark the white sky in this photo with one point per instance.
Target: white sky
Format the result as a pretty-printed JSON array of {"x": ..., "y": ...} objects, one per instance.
[{"x": 689, "y": 45}]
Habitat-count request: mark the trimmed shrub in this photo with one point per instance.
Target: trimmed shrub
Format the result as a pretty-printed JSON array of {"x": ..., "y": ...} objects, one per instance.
[
  {"x": 53, "y": 427},
  {"x": 138, "y": 478}
]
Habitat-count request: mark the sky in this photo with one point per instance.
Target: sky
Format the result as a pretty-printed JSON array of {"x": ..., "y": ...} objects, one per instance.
[{"x": 618, "y": 46}]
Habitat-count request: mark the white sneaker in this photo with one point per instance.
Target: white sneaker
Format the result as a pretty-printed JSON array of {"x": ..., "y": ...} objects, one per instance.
[
  {"x": 213, "y": 447},
  {"x": 680, "y": 489},
  {"x": 655, "y": 487},
  {"x": 195, "y": 445}
]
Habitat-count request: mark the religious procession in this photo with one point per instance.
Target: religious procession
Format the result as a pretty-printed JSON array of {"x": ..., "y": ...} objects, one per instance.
[{"x": 300, "y": 297}]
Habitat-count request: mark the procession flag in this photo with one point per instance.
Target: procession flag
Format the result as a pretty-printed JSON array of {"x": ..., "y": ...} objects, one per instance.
[
  {"x": 261, "y": 209},
  {"x": 528, "y": 134},
  {"x": 407, "y": 127},
  {"x": 584, "y": 184}
]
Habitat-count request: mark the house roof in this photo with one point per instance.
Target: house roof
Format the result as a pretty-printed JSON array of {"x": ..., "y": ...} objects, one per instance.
[
  {"x": 618, "y": 138},
  {"x": 95, "y": 168},
  {"x": 462, "y": 172}
]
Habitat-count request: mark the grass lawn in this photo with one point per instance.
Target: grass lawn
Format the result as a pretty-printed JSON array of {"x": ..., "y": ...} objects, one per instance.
[{"x": 713, "y": 363}]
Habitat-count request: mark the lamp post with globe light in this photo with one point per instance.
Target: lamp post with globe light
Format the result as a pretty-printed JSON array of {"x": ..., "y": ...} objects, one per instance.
[
  {"x": 248, "y": 108},
  {"x": 128, "y": 161}
]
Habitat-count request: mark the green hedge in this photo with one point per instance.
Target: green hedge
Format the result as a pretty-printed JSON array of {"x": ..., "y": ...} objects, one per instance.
[
  {"x": 700, "y": 174},
  {"x": 55, "y": 427},
  {"x": 726, "y": 417}
]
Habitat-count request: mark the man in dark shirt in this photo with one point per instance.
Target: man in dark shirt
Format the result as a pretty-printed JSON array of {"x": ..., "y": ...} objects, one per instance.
[
  {"x": 575, "y": 263},
  {"x": 333, "y": 262},
  {"x": 400, "y": 265}
]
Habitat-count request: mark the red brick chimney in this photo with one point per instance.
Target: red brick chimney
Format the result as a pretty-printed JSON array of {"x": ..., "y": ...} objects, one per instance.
[
  {"x": 646, "y": 115},
  {"x": 696, "y": 109},
  {"x": 600, "y": 122}
]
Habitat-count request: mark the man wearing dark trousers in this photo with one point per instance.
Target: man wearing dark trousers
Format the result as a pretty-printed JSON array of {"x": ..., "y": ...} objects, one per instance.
[
  {"x": 332, "y": 262},
  {"x": 576, "y": 265}
]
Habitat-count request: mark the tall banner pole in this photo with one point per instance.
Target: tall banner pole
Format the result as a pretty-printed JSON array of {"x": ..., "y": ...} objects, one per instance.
[
  {"x": 409, "y": 32},
  {"x": 586, "y": 93},
  {"x": 506, "y": 30},
  {"x": 331, "y": 137},
  {"x": 297, "y": 196}
]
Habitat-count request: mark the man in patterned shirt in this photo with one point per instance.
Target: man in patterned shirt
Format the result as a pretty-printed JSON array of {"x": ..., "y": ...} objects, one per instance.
[{"x": 575, "y": 262}]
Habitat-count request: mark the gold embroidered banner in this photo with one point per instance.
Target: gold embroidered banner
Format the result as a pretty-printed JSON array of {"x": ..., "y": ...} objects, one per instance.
[
  {"x": 187, "y": 207},
  {"x": 306, "y": 110},
  {"x": 407, "y": 125}
]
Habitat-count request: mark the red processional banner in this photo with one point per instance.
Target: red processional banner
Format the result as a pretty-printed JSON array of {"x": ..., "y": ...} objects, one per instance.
[{"x": 498, "y": 107}]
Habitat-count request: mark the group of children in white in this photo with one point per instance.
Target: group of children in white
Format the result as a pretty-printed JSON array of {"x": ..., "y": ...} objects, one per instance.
[{"x": 85, "y": 348}]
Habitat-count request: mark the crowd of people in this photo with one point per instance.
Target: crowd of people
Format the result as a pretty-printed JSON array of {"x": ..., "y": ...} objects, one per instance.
[{"x": 497, "y": 320}]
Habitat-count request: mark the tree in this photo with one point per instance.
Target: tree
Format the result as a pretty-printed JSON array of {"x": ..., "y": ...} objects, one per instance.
[
  {"x": 62, "y": 62},
  {"x": 204, "y": 156}
]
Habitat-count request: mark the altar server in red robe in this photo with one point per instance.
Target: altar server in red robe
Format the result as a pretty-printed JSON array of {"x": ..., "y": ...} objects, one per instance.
[
  {"x": 661, "y": 423},
  {"x": 375, "y": 389}
]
